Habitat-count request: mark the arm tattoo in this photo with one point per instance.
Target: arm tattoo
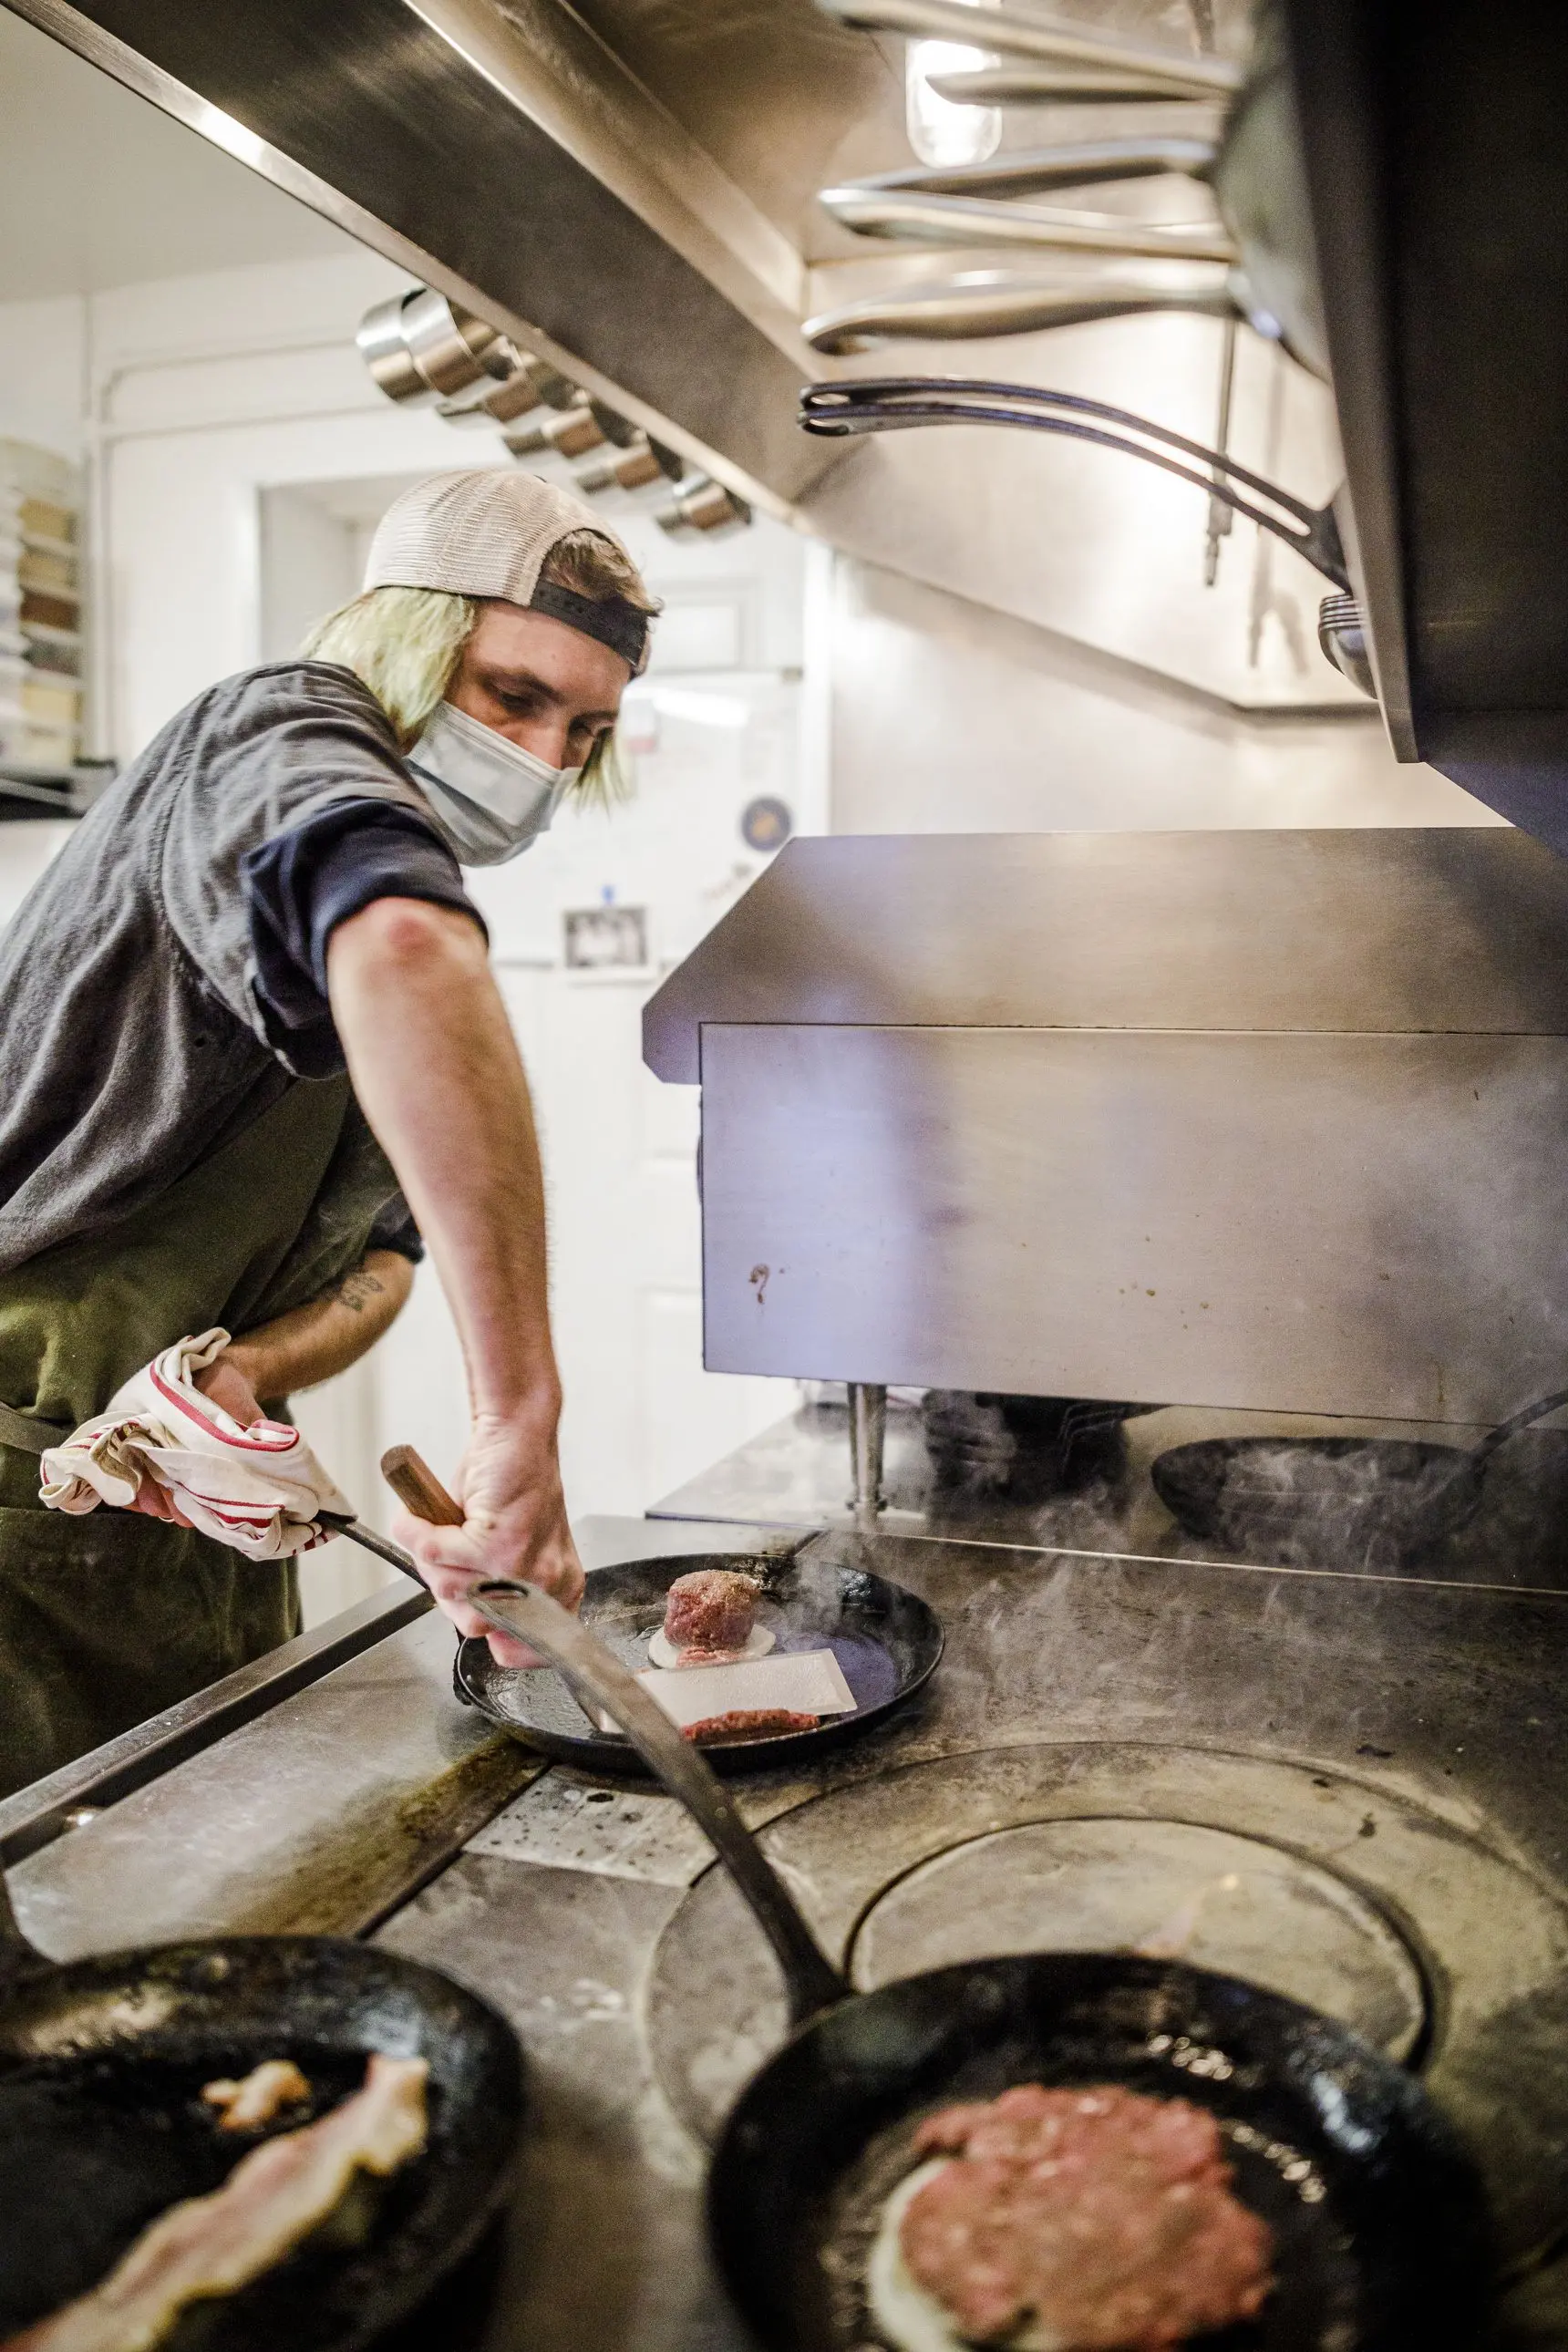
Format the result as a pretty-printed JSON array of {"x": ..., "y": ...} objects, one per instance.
[{"x": 356, "y": 1289}]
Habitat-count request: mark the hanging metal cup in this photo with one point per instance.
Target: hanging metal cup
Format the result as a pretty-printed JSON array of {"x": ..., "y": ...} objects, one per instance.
[
  {"x": 704, "y": 507},
  {"x": 450, "y": 348},
  {"x": 385, "y": 355},
  {"x": 640, "y": 464}
]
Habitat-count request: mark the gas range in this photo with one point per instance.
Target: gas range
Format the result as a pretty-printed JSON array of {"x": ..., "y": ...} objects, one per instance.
[{"x": 1349, "y": 1786}]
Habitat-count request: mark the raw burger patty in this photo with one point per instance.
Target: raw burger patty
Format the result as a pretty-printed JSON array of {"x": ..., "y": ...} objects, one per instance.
[
  {"x": 711, "y": 1609},
  {"x": 1091, "y": 2218},
  {"x": 750, "y": 1723}
]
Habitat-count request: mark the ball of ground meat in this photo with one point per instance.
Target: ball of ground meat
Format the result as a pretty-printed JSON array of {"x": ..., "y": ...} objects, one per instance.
[
  {"x": 711, "y": 1609},
  {"x": 1105, "y": 2217}
]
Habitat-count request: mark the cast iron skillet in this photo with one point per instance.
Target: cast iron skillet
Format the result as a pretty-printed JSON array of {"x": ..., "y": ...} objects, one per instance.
[
  {"x": 1380, "y": 2229},
  {"x": 1375, "y": 1500},
  {"x": 887, "y": 1640},
  {"x": 101, "y": 2126}
]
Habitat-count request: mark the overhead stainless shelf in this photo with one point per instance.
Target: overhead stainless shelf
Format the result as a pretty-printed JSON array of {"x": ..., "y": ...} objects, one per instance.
[{"x": 28, "y": 793}]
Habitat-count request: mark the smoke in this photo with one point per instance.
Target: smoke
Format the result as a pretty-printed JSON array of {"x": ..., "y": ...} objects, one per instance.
[{"x": 1047, "y": 1473}]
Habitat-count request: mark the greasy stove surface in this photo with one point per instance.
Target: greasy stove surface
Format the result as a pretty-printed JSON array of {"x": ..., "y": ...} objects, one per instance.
[
  {"x": 1001, "y": 1485},
  {"x": 1248, "y": 1748}
]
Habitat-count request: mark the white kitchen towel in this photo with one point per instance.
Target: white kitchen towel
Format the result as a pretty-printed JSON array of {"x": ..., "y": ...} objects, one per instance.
[{"x": 257, "y": 1489}]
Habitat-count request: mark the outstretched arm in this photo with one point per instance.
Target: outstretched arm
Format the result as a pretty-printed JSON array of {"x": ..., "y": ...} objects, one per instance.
[{"x": 436, "y": 1071}]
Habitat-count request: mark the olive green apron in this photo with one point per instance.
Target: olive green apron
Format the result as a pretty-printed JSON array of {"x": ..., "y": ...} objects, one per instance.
[{"x": 107, "y": 1617}]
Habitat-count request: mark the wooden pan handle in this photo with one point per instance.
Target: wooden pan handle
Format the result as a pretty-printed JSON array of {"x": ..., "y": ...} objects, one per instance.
[{"x": 420, "y": 1490}]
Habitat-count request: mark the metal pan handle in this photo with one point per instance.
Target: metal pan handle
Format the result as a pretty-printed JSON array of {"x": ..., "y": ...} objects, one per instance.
[
  {"x": 1512, "y": 1425},
  {"x": 598, "y": 1680},
  {"x": 894, "y": 404}
]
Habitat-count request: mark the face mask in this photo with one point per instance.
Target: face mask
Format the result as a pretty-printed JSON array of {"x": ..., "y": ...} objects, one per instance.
[{"x": 490, "y": 797}]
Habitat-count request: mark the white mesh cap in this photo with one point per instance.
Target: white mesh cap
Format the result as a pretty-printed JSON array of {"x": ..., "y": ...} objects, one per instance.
[{"x": 478, "y": 534}]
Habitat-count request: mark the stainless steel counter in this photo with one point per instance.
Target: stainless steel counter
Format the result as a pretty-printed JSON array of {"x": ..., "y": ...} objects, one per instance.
[
  {"x": 1403, "y": 1740},
  {"x": 313, "y": 1791},
  {"x": 317, "y": 1815}
]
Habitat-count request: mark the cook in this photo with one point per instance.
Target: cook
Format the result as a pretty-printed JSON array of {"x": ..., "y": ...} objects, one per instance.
[{"x": 253, "y": 1061}]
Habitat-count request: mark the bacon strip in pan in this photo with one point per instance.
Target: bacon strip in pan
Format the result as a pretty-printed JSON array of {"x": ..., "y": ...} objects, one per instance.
[
  {"x": 210, "y": 2246},
  {"x": 259, "y": 2096}
]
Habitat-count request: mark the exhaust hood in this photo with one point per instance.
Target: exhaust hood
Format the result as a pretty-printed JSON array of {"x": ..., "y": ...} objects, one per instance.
[
  {"x": 632, "y": 191},
  {"x": 504, "y": 155}
]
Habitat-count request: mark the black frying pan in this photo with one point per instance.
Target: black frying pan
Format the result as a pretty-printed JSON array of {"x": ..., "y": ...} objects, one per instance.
[
  {"x": 887, "y": 1640},
  {"x": 102, "y": 2127},
  {"x": 1381, "y": 2239},
  {"x": 1375, "y": 1500}
]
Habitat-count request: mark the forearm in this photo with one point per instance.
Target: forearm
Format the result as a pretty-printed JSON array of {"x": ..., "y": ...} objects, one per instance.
[
  {"x": 310, "y": 1344},
  {"x": 438, "y": 1074}
]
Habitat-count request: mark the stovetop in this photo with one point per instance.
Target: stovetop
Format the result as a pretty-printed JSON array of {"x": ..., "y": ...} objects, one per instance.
[{"x": 1352, "y": 1787}]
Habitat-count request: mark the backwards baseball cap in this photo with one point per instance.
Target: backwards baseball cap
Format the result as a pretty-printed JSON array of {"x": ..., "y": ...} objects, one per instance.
[{"x": 490, "y": 534}]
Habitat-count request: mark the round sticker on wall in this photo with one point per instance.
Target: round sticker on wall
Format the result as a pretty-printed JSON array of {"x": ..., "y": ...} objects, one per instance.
[{"x": 766, "y": 822}]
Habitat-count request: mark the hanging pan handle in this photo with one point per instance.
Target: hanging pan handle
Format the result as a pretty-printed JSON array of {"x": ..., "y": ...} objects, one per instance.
[
  {"x": 895, "y": 403},
  {"x": 1513, "y": 1425},
  {"x": 599, "y": 1682}
]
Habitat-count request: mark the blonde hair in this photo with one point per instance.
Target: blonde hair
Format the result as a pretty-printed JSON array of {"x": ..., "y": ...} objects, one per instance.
[{"x": 405, "y": 644}]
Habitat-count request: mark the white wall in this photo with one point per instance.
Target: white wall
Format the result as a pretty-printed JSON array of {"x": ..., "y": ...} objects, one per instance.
[
  {"x": 26, "y": 849},
  {"x": 43, "y": 349}
]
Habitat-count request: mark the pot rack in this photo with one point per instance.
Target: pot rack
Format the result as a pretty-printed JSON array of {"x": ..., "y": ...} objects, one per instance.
[
  {"x": 975, "y": 205},
  {"x": 423, "y": 349}
]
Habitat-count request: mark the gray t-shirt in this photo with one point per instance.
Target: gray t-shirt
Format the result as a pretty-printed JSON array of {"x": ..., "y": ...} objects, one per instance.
[{"x": 135, "y": 1040}]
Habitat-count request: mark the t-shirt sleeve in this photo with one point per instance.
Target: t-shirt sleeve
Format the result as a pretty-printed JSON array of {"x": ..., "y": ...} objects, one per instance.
[
  {"x": 395, "y": 1228},
  {"x": 263, "y": 838},
  {"x": 300, "y": 883},
  {"x": 252, "y": 760}
]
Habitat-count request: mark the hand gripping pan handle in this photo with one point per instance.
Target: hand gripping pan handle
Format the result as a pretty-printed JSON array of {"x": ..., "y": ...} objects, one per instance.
[{"x": 598, "y": 1681}]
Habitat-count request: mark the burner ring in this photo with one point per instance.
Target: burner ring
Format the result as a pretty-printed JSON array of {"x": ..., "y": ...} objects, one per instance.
[
  {"x": 1175, "y": 1890},
  {"x": 1411, "y": 1890}
]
